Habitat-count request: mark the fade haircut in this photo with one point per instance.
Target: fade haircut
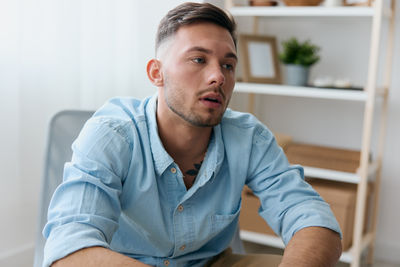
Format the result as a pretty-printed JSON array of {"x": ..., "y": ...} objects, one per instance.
[{"x": 189, "y": 13}]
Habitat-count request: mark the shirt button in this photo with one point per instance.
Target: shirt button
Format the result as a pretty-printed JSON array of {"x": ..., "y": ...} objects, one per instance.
[
  {"x": 173, "y": 170},
  {"x": 182, "y": 248},
  {"x": 180, "y": 208},
  {"x": 166, "y": 262}
]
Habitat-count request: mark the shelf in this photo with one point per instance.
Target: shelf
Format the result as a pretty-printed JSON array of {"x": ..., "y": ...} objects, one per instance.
[
  {"x": 276, "y": 242},
  {"x": 333, "y": 175},
  {"x": 347, "y": 177},
  {"x": 298, "y": 91},
  {"x": 304, "y": 11},
  {"x": 264, "y": 239}
]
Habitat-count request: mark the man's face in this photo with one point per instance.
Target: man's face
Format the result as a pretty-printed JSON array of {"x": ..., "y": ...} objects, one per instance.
[{"x": 198, "y": 67}]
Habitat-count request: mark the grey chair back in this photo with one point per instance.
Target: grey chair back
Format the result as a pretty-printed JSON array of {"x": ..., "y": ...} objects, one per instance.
[{"x": 63, "y": 130}]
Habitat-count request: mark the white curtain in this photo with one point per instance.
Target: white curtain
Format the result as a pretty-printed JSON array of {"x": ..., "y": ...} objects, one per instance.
[{"x": 55, "y": 55}]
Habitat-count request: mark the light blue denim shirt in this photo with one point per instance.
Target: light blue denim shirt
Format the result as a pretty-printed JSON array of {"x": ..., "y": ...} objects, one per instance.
[{"x": 123, "y": 191}]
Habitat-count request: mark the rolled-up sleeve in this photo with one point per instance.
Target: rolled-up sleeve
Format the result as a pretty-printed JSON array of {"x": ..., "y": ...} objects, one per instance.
[
  {"x": 85, "y": 208},
  {"x": 288, "y": 203}
]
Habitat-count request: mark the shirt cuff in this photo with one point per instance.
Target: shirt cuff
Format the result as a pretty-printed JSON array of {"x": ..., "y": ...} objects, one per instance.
[
  {"x": 316, "y": 213},
  {"x": 67, "y": 239}
]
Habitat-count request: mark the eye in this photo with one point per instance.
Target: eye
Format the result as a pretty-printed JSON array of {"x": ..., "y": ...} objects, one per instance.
[
  {"x": 198, "y": 60},
  {"x": 228, "y": 66}
]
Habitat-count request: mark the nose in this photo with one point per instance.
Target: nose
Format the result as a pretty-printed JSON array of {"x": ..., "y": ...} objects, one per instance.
[{"x": 215, "y": 75}]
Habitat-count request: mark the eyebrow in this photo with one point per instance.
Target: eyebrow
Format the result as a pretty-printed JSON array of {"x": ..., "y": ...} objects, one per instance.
[{"x": 208, "y": 51}]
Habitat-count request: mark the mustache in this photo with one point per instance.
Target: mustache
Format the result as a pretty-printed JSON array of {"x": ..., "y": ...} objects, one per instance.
[{"x": 213, "y": 90}]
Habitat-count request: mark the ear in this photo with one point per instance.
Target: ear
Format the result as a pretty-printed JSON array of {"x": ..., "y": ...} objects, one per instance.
[{"x": 154, "y": 72}]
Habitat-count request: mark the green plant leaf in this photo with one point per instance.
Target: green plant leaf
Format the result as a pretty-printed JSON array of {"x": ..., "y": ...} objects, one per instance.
[{"x": 294, "y": 52}]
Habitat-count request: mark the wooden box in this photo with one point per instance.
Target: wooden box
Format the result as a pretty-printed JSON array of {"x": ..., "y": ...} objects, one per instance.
[
  {"x": 323, "y": 157},
  {"x": 249, "y": 218},
  {"x": 340, "y": 196}
]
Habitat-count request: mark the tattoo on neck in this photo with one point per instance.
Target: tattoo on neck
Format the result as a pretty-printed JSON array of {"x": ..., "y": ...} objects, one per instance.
[{"x": 195, "y": 170}]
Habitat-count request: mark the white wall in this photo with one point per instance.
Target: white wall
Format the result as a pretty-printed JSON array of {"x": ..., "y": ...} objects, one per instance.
[
  {"x": 58, "y": 55},
  {"x": 9, "y": 134},
  {"x": 345, "y": 45}
]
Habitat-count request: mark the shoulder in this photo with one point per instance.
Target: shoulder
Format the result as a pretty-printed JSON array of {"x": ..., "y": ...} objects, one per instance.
[
  {"x": 123, "y": 108},
  {"x": 245, "y": 125},
  {"x": 119, "y": 115}
]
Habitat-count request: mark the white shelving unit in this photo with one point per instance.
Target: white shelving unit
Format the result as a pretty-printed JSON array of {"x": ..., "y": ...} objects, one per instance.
[
  {"x": 368, "y": 171},
  {"x": 303, "y": 11},
  {"x": 309, "y": 92},
  {"x": 306, "y": 11}
]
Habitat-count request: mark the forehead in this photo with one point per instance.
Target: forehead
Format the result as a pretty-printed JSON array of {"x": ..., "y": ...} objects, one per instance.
[{"x": 203, "y": 34}]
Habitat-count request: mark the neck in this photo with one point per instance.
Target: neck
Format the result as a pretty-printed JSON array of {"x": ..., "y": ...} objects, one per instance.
[
  {"x": 184, "y": 142},
  {"x": 181, "y": 140}
]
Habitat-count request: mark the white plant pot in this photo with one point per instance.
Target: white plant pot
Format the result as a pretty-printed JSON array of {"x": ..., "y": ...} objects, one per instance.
[{"x": 296, "y": 75}]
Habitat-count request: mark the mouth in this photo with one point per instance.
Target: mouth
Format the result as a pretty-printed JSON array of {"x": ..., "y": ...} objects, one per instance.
[
  {"x": 212, "y": 97},
  {"x": 212, "y": 100}
]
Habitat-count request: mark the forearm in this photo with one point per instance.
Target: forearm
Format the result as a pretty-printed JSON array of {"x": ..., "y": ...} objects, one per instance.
[
  {"x": 97, "y": 257},
  {"x": 313, "y": 247}
]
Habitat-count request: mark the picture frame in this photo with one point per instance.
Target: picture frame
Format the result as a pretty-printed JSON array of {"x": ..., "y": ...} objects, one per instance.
[
  {"x": 259, "y": 57},
  {"x": 357, "y": 2}
]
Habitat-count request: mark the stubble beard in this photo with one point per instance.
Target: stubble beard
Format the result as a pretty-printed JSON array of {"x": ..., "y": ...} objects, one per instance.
[{"x": 172, "y": 101}]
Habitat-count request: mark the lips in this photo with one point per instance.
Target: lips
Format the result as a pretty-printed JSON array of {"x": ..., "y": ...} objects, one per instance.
[
  {"x": 212, "y": 100},
  {"x": 213, "y": 97}
]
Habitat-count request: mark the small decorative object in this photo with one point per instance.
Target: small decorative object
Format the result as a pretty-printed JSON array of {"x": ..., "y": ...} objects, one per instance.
[
  {"x": 323, "y": 82},
  {"x": 342, "y": 83},
  {"x": 302, "y": 2},
  {"x": 298, "y": 57},
  {"x": 259, "y": 56},
  {"x": 333, "y": 3},
  {"x": 263, "y": 3},
  {"x": 357, "y": 2},
  {"x": 329, "y": 82}
]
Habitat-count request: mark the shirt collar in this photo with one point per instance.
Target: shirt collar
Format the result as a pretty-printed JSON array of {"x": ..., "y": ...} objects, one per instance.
[
  {"x": 162, "y": 160},
  {"x": 160, "y": 156}
]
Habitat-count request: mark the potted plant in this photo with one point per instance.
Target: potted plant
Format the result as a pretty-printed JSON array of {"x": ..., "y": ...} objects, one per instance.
[{"x": 298, "y": 58}]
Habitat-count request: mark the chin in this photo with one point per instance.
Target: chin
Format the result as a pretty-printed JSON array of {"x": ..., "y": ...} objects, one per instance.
[{"x": 209, "y": 122}]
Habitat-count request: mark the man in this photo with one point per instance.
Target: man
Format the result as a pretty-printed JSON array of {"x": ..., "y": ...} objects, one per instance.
[{"x": 158, "y": 182}]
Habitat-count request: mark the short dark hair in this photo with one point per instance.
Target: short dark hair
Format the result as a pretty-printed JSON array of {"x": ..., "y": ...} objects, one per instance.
[{"x": 189, "y": 13}]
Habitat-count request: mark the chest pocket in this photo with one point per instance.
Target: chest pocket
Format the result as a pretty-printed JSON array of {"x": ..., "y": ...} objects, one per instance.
[{"x": 219, "y": 222}]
